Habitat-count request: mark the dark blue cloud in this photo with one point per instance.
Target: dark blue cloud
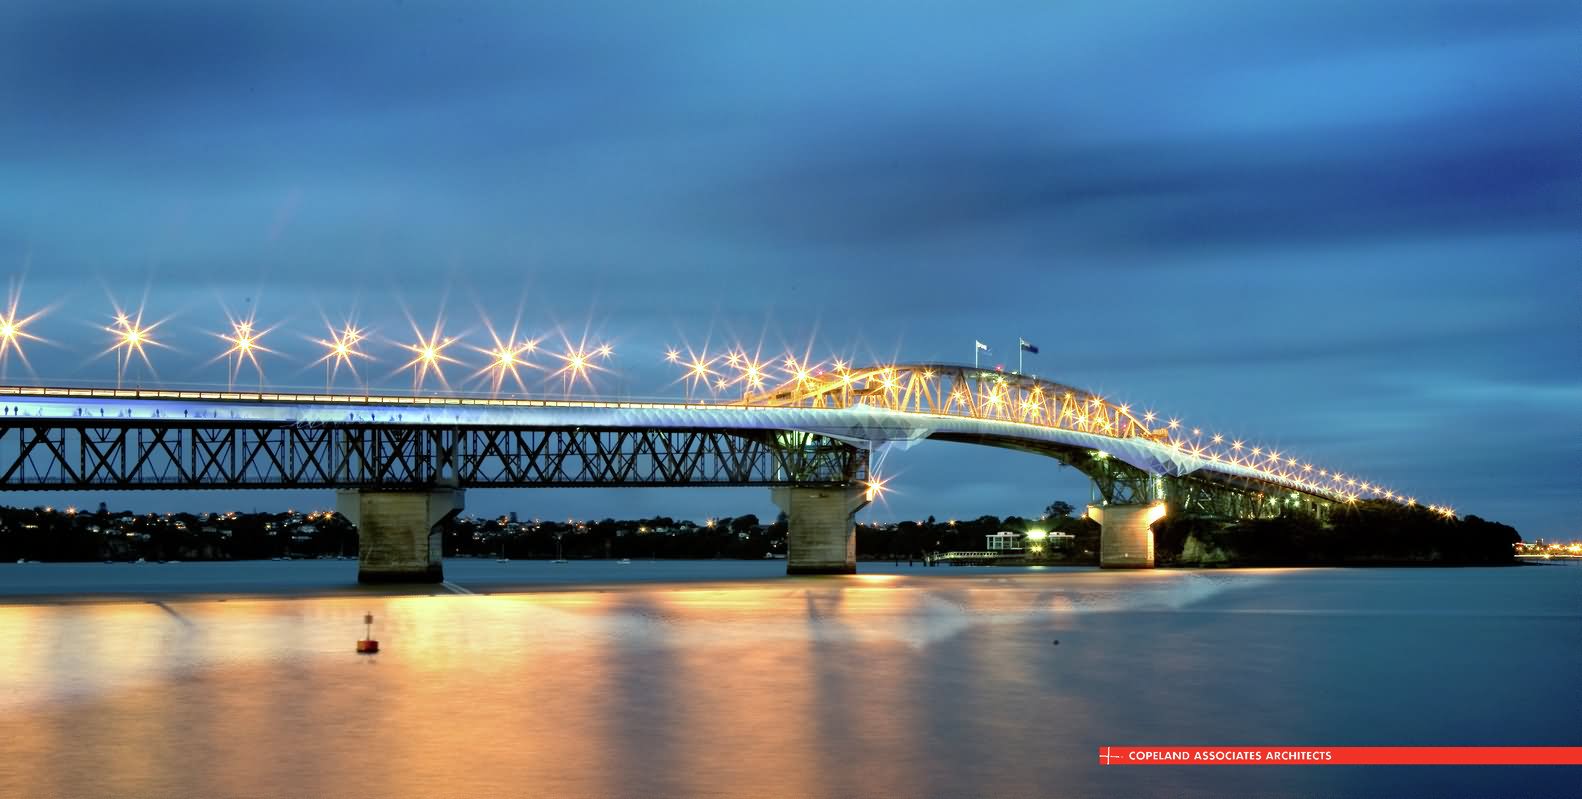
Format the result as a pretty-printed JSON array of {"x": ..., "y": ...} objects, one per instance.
[{"x": 1344, "y": 228}]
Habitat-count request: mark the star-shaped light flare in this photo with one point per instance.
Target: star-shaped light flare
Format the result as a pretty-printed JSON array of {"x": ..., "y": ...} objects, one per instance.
[
  {"x": 341, "y": 350},
  {"x": 13, "y": 331},
  {"x": 506, "y": 357},
  {"x": 577, "y": 364},
  {"x": 132, "y": 337},
  {"x": 428, "y": 355},
  {"x": 245, "y": 342},
  {"x": 699, "y": 369}
]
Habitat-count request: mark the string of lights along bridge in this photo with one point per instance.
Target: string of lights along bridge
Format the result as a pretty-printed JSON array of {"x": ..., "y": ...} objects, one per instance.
[{"x": 732, "y": 377}]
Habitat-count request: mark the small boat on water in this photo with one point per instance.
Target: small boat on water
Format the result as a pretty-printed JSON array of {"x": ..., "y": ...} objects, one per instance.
[
  {"x": 560, "y": 560},
  {"x": 624, "y": 562}
]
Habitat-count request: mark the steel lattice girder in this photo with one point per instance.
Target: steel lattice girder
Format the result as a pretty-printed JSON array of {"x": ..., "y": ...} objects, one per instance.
[
  {"x": 963, "y": 391},
  {"x": 867, "y": 407},
  {"x": 1209, "y": 495},
  {"x": 189, "y": 455},
  {"x": 953, "y": 390},
  {"x": 1200, "y": 493},
  {"x": 1117, "y": 482}
]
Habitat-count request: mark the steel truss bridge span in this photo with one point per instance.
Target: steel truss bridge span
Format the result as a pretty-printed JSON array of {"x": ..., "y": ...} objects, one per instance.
[
  {"x": 817, "y": 430},
  {"x": 197, "y": 455}
]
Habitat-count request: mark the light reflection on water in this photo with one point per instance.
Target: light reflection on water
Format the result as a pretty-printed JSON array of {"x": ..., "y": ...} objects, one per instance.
[{"x": 874, "y": 685}]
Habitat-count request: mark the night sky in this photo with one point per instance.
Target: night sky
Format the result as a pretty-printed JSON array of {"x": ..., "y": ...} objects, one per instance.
[{"x": 1349, "y": 230}]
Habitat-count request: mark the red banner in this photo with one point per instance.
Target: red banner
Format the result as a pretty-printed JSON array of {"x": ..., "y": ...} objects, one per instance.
[{"x": 1341, "y": 755}]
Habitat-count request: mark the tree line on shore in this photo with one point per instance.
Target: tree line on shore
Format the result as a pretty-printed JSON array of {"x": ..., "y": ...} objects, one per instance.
[
  {"x": 1370, "y": 532},
  {"x": 1367, "y": 532}
]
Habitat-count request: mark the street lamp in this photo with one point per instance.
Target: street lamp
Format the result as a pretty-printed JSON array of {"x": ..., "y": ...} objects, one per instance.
[
  {"x": 245, "y": 347},
  {"x": 428, "y": 355},
  {"x": 342, "y": 349},
  {"x": 130, "y": 337},
  {"x": 12, "y": 335}
]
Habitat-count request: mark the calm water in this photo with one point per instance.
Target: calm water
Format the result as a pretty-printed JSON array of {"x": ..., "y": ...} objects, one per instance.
[{"x": 722, "y": 679}]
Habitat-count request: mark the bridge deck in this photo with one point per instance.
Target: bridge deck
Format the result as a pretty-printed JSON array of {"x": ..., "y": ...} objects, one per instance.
[{"x": 860, "y": 425}]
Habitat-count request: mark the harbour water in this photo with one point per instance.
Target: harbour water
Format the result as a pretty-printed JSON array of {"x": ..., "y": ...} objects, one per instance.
[{"x": 725, "y": 679}]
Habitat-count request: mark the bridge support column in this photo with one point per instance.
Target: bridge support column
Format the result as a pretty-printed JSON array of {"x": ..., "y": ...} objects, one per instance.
[
  {"x": 396, "y": 532},
  {"x": 1126, "y": 537},
  {"x": 822, "y": 535}
]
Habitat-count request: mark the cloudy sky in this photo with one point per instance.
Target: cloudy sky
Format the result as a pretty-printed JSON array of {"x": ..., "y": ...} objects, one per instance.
[{"x": 1346, "y": 229}]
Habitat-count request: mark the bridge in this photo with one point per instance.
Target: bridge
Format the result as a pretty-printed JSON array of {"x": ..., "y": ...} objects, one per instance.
[{"x": 401, "y": 464}]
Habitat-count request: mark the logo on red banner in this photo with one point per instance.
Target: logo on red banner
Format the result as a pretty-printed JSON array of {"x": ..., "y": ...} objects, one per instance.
[{"x": 1341, "y": 756}]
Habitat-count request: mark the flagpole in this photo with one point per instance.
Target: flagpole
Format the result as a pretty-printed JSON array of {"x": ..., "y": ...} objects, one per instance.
[
  {"x": 975, "y": 355},
  {"x": 1018, "y": 356}
]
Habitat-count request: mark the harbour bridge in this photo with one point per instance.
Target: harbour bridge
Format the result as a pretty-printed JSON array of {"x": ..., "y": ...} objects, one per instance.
[{"x": 401, "y": 463}]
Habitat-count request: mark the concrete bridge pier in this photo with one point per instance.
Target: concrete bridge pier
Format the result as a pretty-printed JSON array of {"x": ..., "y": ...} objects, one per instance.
[
  {"x": 822, "y": 538},
  {"x": 1126, "y": 540},
  {"x": 396, "y": 532}
]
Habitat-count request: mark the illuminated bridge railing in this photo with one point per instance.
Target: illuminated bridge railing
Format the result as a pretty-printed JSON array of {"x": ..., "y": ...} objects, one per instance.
[
  {"x": 319, "y": 398},
  {"x": 931, "y": 389}
]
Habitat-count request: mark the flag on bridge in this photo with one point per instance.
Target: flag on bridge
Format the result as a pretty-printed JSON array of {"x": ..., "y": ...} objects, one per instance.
[
  {"x": 1026, "y": 347},
  {"x": 981, "y": 345}
]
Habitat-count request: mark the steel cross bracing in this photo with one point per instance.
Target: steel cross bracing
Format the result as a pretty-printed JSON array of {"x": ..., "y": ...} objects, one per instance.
[
  {"x": 863, "y": 408},
  {"x": 43, "y": 454},
  {"x": 1202, "y": 494},
  {"x": 1198, "y": 494},
  {"x": 962, "y": 391}
]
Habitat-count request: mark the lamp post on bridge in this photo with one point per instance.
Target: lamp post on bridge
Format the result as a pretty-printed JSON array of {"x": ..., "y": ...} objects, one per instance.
[
  {"x": 131, "y": 336},
  {"x": 244, "y": 347},
  {"x": 342, "y": 349}
]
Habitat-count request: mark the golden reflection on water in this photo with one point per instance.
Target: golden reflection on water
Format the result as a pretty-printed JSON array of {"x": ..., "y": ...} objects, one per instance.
[
  {"x": 671, "y": 690},
  {"x": 898, "y": 686},
  {"x": 903, "y": 686}
]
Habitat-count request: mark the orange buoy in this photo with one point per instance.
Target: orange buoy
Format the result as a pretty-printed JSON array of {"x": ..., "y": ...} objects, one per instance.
[{"x": 368, "y": 645}]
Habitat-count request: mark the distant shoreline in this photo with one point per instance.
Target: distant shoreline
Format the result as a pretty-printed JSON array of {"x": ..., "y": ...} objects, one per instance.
[
  {"x": 72, "y": 583},
  {"x": 918, "y": 562}
]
